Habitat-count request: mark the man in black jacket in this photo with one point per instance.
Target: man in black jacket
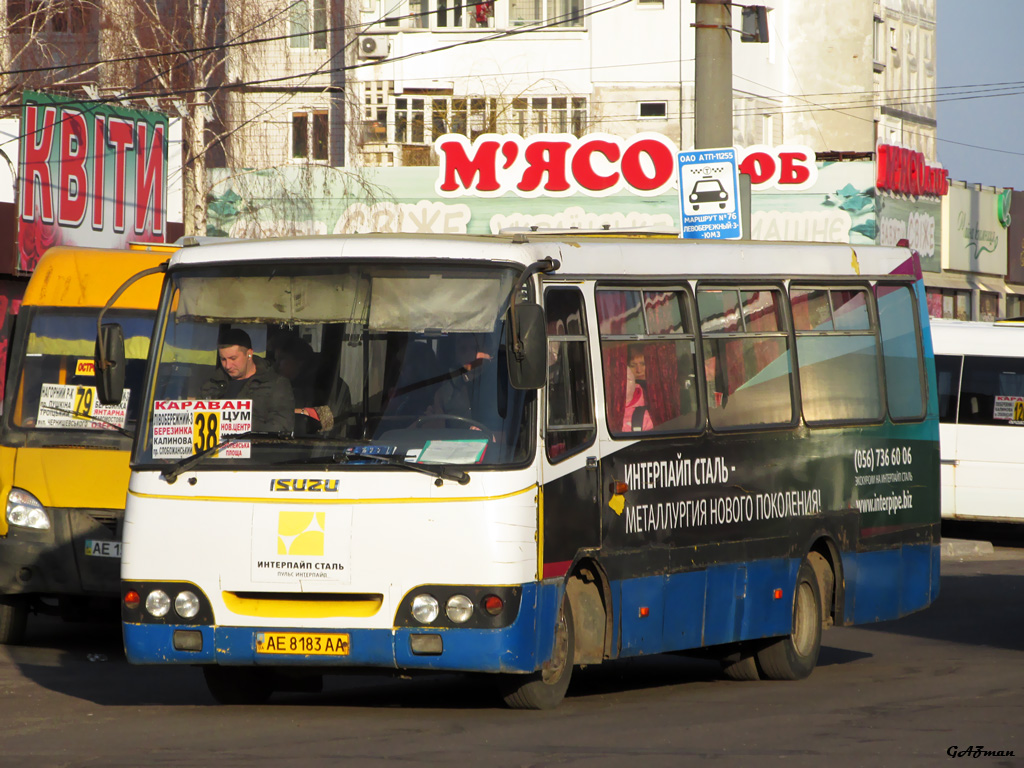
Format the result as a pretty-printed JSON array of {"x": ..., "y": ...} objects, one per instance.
[{"x": 242, "y": 374}]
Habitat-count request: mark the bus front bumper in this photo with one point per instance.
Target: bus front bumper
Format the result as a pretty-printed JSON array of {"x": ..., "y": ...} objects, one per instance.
[{"x": 521, "y": 647}]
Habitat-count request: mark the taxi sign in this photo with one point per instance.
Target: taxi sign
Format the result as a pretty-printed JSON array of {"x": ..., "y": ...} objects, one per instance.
[{"x": 709, "y": 194}]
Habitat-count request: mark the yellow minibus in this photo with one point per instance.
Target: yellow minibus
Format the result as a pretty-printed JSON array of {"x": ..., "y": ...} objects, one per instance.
[{"x": 63, "y": 454}]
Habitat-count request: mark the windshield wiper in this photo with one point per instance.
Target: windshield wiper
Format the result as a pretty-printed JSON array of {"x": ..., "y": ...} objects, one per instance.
[
  {"x": 182, "y": 465},
  {"x": 87, "y": 417},
  {"x": 439, "y": 471}
]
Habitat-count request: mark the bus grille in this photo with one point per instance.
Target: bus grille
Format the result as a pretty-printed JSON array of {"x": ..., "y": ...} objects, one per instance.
[{"x": 302, "y": 605}]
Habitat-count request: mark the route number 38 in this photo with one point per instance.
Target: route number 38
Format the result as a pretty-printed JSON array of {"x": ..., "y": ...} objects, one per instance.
[{"x": 205, "y": 431}]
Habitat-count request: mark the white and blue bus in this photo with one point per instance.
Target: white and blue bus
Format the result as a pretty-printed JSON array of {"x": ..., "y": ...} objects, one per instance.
[{"x": 514, "y": 454}]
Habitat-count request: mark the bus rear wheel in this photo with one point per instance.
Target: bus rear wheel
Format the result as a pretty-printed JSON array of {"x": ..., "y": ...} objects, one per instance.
[
  {"x": 13, "y": 619},
  {"x": 239, "y": 685},
  {"x": 546, "y": 689},
  {"x": 794, "y": 656}
]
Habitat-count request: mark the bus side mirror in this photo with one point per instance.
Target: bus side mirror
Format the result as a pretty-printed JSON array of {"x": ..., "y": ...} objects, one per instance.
[
  {"x": 527, "y": 359},
  {"x": 110, "y": 364}
]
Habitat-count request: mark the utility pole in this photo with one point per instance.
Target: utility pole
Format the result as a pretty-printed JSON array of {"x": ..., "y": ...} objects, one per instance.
[
  {"x": 712, "y": 75},
  {"x": 712, "y": 113}
]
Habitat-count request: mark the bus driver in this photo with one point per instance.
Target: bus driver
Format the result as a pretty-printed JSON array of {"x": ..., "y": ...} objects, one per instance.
[{"x": 241, "y": 374}]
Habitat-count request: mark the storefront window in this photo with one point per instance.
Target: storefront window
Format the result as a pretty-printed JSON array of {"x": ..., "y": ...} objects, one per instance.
[
  {"x": 988, "y": 307},
  {"x": 1014, "y": 306},
  {"x": 951, "y": 305},
  {"x": 961, "y": 305}
]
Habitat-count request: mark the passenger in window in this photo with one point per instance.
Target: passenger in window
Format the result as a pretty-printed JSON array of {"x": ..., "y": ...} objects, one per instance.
[
  {"x": 242, "y": 375},
  {"x": 295, "y": 360},
  {"x": 636, "y": 417}
]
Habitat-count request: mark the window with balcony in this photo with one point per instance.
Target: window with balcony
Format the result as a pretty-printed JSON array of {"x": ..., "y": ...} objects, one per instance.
[
  {"x": 422, "y": 117},
  {"x": 442, "y": 14},
  {"x": 376, "y": 99},
  {"x": 556, "y": 13}
]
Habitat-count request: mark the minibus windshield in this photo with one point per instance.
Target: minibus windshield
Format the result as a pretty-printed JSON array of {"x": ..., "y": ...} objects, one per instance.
[
  {"x": 335, "y": 365},
  {"x": 53, "y": 377}
]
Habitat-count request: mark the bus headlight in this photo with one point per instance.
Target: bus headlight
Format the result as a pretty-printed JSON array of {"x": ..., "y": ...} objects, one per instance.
[
  {"x": 158, "y": 603},
  {"x": 186, "y": 605},
  {"x": 425, "y": 608},
  {"x": 459, "y": 608},
  {"x": 25, "y": 510}
]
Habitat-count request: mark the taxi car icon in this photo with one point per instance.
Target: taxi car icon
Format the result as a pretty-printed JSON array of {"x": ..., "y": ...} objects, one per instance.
[{"x": 708, "y": 190}]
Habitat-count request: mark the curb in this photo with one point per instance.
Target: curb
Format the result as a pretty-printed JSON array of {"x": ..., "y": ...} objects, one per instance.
[{"x": 965, "y": 548}]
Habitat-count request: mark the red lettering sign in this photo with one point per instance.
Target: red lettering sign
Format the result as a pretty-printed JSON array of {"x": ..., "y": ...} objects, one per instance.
[
  {"x": 555, "y": 165},
  {"x": 904, "y": 171},
  {"x": 597, "y": 165},
  {"x": 83, "y": 164},
  {"x": 787, "y": 167}
]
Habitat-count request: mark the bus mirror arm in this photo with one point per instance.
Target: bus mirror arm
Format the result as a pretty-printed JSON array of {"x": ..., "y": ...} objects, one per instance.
[
  {"x": 110, "y": 345},
  {"x": 527, "y": 334}
]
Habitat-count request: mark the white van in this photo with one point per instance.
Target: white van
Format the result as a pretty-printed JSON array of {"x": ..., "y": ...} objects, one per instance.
[{"x": 980, "y": 369}]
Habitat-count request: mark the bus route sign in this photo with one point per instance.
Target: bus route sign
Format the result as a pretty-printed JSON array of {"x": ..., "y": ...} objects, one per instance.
[{"x": 709, "y": 194}]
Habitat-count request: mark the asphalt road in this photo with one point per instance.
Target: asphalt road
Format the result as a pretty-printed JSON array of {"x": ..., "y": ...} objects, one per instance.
[{"x": 898, "y": 693}]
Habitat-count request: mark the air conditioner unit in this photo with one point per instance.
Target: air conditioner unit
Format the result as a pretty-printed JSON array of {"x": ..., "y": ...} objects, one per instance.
[{"x": 374, "y": 46}]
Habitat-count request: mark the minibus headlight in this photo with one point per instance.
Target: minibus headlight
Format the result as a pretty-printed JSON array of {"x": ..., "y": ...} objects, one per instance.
[
  {"x": 25, "y": 510},
  {"x": 186, "y": 605},
  {"x": 158, "y": 603},
  {"x": 459, "y": 608},
  {"x": 425, "y": 608}
]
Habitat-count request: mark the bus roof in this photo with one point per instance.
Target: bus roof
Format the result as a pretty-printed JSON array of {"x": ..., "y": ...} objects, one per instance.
[
  {"x": 68, "y": 276},
  {"x": 965, "y": 337},
  {"x": 603, "y": 253}
]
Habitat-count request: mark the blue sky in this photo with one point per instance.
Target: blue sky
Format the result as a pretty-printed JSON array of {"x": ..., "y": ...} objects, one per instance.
[{"x": 979, "y": 45}]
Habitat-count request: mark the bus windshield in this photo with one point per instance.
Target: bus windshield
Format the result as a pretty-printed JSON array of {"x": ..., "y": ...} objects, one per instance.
[
  {"x": 52, "y": 366},
  {"x": 335, "y": 365}
]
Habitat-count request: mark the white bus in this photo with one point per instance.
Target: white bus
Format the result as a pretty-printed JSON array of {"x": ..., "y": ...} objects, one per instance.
[
  {"x": 515, "y": 454},
  {"x": 980, "y": 368}
]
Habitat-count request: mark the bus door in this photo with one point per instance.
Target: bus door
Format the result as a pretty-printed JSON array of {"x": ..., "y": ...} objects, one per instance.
[
  {"x": 571, "y": 517},
  {"x": 947, "y": 373}
]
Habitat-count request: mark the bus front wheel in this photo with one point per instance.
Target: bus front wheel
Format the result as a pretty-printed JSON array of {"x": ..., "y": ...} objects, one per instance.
[
  {"x": 239, "y": 685},
  {"x": 13, "y": 619},
  {"x": 794, "y": 656},
  {"x": 546, "y": 689}
]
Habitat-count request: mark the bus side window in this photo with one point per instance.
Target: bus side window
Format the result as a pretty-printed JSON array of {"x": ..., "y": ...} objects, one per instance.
[
  {"x": 570, "y": 425},
  {"x": 837, "y": 349},
  {"x": 901, "y": 351},
  {"x": 984, "y": 380},
  {"x": 747, "y": 361},
  {"x": 649, "y": 361},
  {"x": 947, "y": 374}
]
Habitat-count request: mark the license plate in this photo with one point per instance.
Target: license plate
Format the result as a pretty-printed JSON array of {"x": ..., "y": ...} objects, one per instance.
[
  {"x": 102, "y": 548},
  {"x": 303, "y": 643}
]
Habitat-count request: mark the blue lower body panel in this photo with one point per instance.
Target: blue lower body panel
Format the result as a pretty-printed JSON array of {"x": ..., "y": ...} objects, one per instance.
[
  {"x": 890, "y": 583},
  {"x": 519, "y": 647},
  {"x": 723, "y": 604}
]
